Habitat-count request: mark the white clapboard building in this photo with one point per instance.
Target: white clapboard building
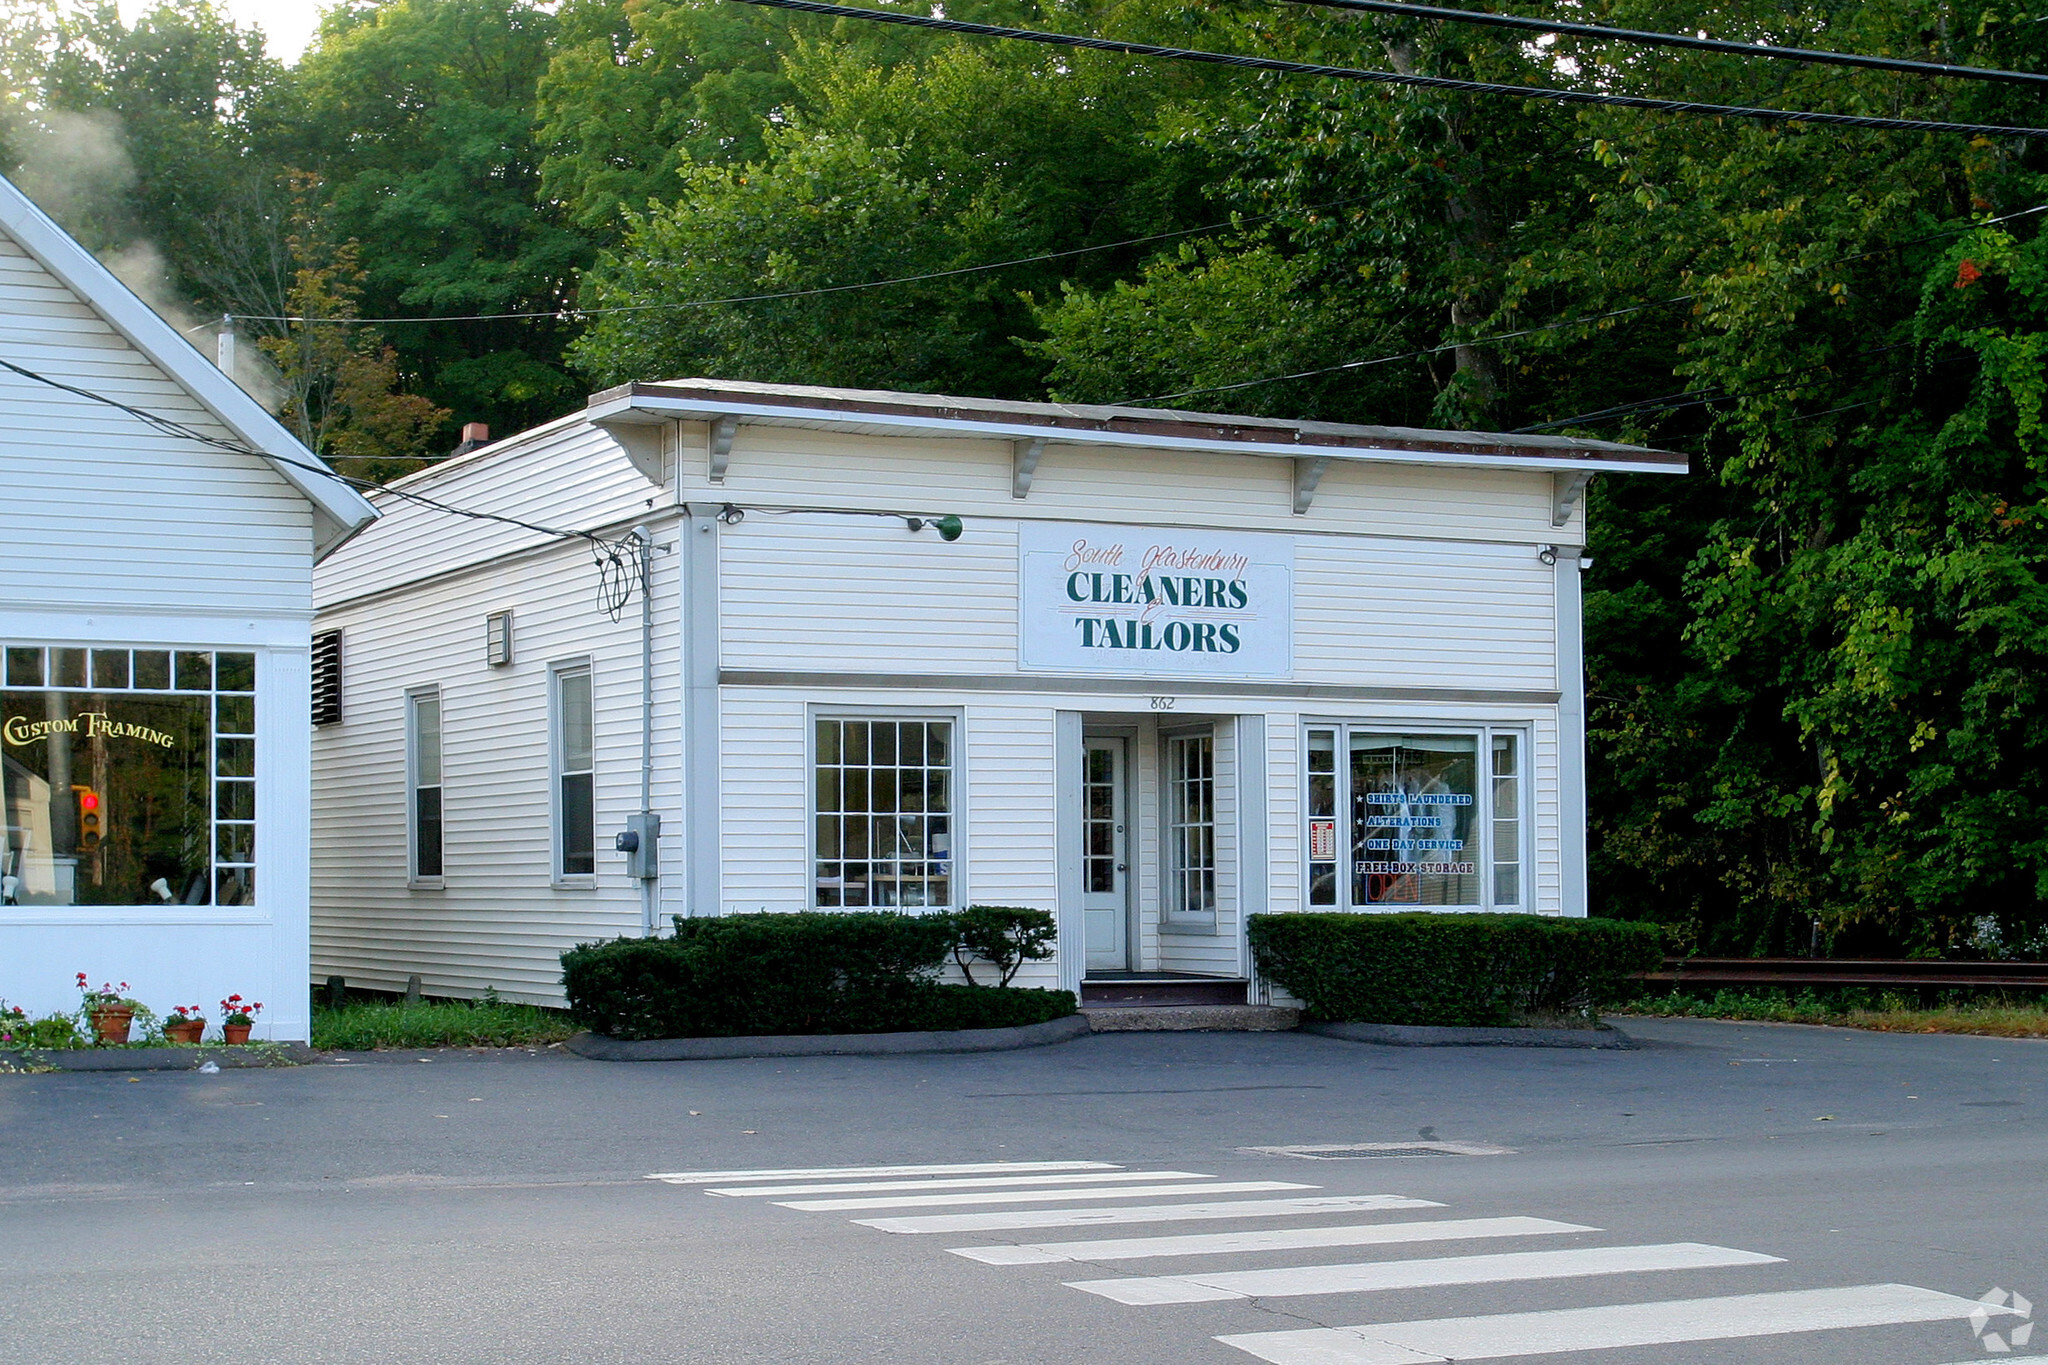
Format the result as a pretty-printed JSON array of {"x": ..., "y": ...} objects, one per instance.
[
  {"x": 158, "y": 532},
  {"x": 1153, "y": 671}
]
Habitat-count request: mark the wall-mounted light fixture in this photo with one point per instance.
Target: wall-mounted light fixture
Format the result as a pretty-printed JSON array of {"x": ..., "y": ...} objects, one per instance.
[
  {"x": 730, "y": 515},
  {"x": 949, "y": 526},
  {"x": 1548, "y": 554}
]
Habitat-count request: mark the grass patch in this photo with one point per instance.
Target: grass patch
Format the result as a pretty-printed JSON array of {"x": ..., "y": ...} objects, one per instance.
[
  {"x": 367, "y": 1025},
  {"x": 1884, "y": 1011}
]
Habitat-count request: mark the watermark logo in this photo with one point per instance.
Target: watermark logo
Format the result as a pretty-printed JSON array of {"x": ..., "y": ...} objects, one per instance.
[{"x": 2002, "y": 1303}]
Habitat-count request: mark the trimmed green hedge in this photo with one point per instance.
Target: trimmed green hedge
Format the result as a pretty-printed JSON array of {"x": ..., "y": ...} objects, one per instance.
[
  {"x": 1423, "y": 968},
  {"x": 864, "y": 971}
]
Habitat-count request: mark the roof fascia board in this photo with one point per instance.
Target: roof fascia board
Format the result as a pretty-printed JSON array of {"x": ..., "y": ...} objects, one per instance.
[
  {"x": 339, "y": 511},
  {"x": 705, "y": 409}
]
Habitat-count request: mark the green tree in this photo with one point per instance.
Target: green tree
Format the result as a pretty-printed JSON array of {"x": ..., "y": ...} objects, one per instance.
[
  {"x": 417, "y": 116},
  {"x": 966, "y": 155}
]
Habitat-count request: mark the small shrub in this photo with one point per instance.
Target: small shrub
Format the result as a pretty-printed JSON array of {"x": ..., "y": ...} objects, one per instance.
[
  {"x": 1474, "y": 969},
  {"x": 1004, "y": 937},
  {"x": 814, "y": 972},
  {"x": 18, "y": 1030}
]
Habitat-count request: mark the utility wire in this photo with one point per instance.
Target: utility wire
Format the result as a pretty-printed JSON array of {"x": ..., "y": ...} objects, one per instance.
[
  {"x": 170, "y": 426},
  {"x": 1411, "y": 355},
  {"x": 1370, "y": 361},
  {"x": 571, "y": 312},
  {"x": 1631, "y": 35},
  {"x": 1351, "y": 73}
]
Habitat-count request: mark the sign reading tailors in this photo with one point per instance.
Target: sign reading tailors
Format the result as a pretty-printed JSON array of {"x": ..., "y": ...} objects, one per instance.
[{"x": 1124, "y": 600}]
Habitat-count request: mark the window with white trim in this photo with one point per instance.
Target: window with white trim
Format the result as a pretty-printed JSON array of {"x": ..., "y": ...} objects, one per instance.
[
  {"x": 575, "y": 773},
  {"x": 882, "y": 811},
  {"x": 423, "y": 763},
  {"x": 1191, "y": 825},
  {"x": 127, "y": 776},
  {"x": 1399, "y": 818}
]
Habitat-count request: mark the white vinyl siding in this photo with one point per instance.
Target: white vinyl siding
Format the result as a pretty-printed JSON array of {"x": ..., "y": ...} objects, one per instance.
[
  {"x": 158, "y": 503},
  {"x": 501, "y": 921}
]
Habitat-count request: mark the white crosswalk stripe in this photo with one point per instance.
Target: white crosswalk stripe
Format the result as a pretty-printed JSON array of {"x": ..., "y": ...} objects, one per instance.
[
  {"x": 938, "y": 1201},
  {"x": 1504, "y": 1335},
  {"x": 1089, "y": 1194},
  {"x": 1497, "y": 1268},
  {"x": 877, "y": 1172},
  {"x": 1266, "y": 1239},
  {"x": 1021, "y": 1219},
  {"x": 959, "y": 1183}
]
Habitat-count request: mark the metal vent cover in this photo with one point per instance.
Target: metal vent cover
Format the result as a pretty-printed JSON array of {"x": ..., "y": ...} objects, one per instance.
[{"x": 1356, "y": 1151}]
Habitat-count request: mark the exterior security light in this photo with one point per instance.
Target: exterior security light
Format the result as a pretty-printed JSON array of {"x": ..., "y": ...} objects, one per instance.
[
  {"x": 949, "y": 526},
  {"x": 1548, "y": 554},
  {"x": 730, "y": 515}
]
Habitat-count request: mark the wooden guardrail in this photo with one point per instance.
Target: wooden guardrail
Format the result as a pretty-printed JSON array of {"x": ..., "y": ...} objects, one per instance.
[{"x": 1838, "y": 972}]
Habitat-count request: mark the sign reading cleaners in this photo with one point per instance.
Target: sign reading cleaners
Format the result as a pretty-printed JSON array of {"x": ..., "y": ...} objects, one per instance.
[{"x": 1191, "y": 604}]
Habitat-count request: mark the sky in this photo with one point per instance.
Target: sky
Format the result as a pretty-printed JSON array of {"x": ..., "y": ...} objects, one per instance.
[{"x": 287, "y": 24}]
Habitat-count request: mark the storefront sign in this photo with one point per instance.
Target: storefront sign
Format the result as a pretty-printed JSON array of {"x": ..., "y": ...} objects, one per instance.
[
  {"x": 91, "y": 724},
  {"x": 1118, "y": 600},
  {"x": 1322, "y": 841}
]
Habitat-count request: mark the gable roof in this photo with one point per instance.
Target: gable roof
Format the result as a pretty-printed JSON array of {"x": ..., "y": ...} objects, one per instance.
[
  {"x": 338, "y": 510},
  {"x": 802, "y": 405}
]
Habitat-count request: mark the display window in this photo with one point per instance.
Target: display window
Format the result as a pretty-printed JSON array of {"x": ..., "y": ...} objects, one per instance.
[
  {"x": 882, "y": 811},
  {"x": 128, "y": 776},
  {"x": 1401, "y": 819}
]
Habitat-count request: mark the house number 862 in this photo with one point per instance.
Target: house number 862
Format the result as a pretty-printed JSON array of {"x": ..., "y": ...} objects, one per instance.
[{"x": 1162, "y": 703}]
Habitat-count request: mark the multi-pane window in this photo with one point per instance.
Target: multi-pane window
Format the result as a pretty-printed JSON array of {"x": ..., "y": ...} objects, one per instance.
[
  {"x": 883, "y": 812},
  {"x": 1411, "y": 819},
  {"x": 575, "y": 775},
  {"x": 423, "y": 731},
  {"x": 127, "y": 776},
  {"x": 1191, "y": 824}
]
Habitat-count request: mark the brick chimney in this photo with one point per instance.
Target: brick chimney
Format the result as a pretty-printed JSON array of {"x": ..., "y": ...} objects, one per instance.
[{"x": 474, "y": 436}]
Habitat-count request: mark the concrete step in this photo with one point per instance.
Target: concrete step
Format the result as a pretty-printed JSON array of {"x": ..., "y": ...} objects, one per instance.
[
  {"x": 1190, "y": 1018},
  {"x": 1159, "y": 988}
]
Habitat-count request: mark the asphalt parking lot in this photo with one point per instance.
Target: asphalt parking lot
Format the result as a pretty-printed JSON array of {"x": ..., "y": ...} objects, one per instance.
[{"x": 1834, "y": 1195}]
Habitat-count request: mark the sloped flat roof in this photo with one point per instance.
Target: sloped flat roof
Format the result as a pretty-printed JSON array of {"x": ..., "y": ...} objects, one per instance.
[{"x": 881, "y": 412}]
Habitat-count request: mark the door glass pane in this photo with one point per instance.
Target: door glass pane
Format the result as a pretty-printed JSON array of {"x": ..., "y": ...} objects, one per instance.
[{"x": 1414, "y": 799}]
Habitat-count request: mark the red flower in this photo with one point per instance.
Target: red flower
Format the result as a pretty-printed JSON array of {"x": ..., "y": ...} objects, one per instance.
[{"x": 1968, "y": 274}]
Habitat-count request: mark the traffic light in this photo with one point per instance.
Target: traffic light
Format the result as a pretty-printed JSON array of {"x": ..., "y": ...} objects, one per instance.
[{"x": 88, "y": 818}]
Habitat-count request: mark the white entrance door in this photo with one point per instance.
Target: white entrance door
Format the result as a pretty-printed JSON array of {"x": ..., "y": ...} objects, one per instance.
[{"x": 1106, "y": 859}]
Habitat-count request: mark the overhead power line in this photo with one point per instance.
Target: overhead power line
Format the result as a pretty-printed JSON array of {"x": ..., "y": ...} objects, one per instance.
[
  {"x": 571, "y": 312},
  {"x": 1351, "y": 73},
  {"x": 1632, "y": 35},
  {"x": 1369, "y": 361}
]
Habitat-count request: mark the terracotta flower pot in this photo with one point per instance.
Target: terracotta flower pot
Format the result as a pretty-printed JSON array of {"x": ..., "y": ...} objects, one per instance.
[
  {"x": 110, "y": 1024},
  {"x": 187, "y": 1031},
  {"x": 236, "y": 1033}
]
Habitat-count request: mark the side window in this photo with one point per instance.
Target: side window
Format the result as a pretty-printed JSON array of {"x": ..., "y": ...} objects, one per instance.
[
  {"x": 575, "y": 775},
  {"x": 423, "y": 740}
]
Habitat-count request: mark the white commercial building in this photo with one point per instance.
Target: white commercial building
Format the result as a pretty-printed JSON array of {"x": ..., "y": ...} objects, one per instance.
[
  {"x": 157, "y": 540},
  {"x": 1166, "y": 670}
]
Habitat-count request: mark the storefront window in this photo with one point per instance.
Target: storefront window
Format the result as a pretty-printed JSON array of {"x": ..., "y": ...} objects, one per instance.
[
  {"x": 128, "y": 777},
  {"x": 883, "y": 812},
  {"x": 1413, "y": 819}
]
